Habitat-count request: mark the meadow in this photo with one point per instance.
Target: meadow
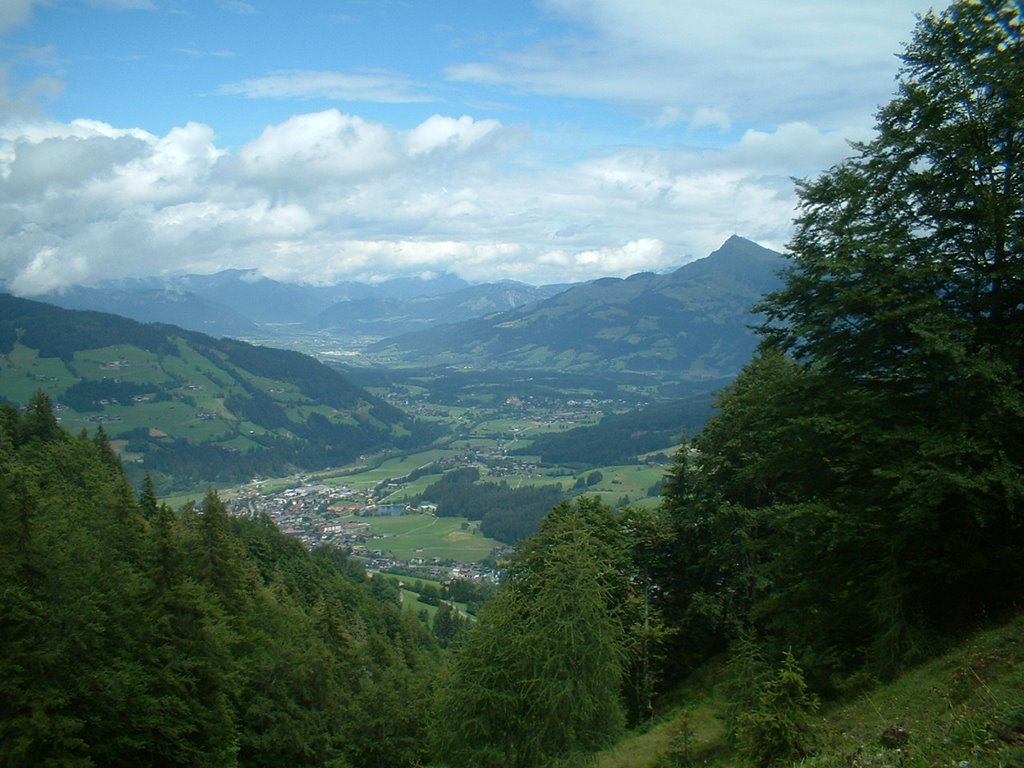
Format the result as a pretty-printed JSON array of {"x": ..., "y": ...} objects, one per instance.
[{"x": 427, "y": 536}]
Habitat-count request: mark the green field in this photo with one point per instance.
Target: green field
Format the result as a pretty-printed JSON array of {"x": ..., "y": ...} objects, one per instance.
[
  {"x": 448, "y": 538},
  {"x": 483, "y": 442},
  {"x": 390, "y": 469},
  {"x": 411, "y": 602},
  {"x": 23, "y": 372},
  {"x": 426, "y": 535},
  {"x": 631, "y": 481}
]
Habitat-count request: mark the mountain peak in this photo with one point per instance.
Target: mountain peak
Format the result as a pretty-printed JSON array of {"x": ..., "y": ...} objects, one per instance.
[
  {"x": 693, "y": 324},
  {"x": 737, "y": 246}
]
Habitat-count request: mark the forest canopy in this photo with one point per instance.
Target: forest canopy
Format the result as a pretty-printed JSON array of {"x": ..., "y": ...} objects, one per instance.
[
  {"x": 861, "y": 488},
  {"x": 134, "y": 634}
]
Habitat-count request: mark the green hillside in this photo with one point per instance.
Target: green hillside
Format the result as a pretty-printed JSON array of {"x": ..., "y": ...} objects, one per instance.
[
  {"x": 188, "y": 408},
  {"x": 692, "y": 324},
  {"x": 964, "y": 707}
]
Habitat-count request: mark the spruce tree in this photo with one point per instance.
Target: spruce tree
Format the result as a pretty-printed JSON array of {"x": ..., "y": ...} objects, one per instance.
[
  {"x": 906, "y": 297},
  {"x": 538, "y": 678}
]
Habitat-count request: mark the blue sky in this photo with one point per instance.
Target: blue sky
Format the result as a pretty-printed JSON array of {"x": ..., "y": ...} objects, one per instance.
[{"x": 547, "y": 141}]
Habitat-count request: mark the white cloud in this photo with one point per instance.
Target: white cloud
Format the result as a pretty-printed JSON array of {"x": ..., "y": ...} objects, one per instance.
[
  {"x": 379, "y": 87},
  {"x": 629, "y": 258},
  {"x": 327, "y": 196},
  {"x": 439, "y": 132},
  {"x": 48, "y": 270},
  {"x": 175, "y": 167},
  {"x": 674, "y": 58},
  {"x": 325, "y": 146},
  {"x": 14, "y": 12},
  {"x": 739, "y": 98},
  {"x": 706, "y": 116}
]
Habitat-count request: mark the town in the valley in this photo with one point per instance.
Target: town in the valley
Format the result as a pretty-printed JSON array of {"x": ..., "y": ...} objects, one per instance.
[{"x": 339, "y": 516}]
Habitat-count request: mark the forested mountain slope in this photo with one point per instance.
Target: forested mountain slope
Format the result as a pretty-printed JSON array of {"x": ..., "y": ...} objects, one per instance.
[
  {"x": 854, "y": 506},
  {"x": 187, "y": 407},
  {"x": 692, "y": 323},
  {"x": 134, "y": 634}
]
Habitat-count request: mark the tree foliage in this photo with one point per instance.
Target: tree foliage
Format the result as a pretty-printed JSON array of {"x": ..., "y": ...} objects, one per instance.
[
  {"x": 861, "y": 486},
  {"x": 133, "y": 634},
  {"x": 778, "y": 730},
  {"x": 505, "y": 513},
  {"x": 550, "y": 642}
]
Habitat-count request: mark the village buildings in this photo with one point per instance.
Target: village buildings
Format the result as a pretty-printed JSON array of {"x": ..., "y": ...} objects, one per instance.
[{"x": 341, "y": 517}]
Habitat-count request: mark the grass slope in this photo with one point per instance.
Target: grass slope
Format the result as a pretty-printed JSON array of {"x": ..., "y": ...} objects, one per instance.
[
  {"x": 188, "y": 408},
  {"x": 963, "y": 709}
]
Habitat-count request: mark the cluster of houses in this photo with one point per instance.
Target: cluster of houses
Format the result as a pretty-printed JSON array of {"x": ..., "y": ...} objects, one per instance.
[
  {"x": 339, "y": 516},
  {"x": 316, "y": 514},
  {"x": 435, "y": 569}
]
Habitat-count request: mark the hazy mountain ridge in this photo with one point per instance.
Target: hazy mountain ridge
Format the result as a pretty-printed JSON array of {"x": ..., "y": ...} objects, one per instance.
[
  {"x": 693, "y": 323},
  {"x": 174, "y": 306},
  {"x": 242, "y": 303},
  {"x": 385, "y": 317}
]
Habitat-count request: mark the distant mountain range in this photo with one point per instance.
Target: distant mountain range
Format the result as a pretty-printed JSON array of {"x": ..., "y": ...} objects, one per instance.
[
  {"x": 187, "y": 408},
  {"x": 242, "y": 303},
  {"x": 692, "y": 324},
  {"x": 191, "y": 408},
  {"x": 393, "y": 316},
  {"x": 140, "y": 301}
]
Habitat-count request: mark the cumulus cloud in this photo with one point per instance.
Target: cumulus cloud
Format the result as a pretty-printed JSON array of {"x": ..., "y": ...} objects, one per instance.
[
  {"x": 650, "y": 132},
  {"x": 320, "y": 147},
  {"x": 47, "y": 270},
  {"x": 439, "y": 131},
  {"x": 629, "y": 258},
  {"x": 173, "y": 168},
  {"x": 327, "y": 196}
]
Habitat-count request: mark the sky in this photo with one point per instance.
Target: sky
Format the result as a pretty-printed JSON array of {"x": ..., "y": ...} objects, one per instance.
[{"x": 314, "y": 141}]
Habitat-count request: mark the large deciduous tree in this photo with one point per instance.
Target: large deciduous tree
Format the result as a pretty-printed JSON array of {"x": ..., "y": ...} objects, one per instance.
[
  {"x": 883, "y": 461},
  {"x": 907, "y": 295}
]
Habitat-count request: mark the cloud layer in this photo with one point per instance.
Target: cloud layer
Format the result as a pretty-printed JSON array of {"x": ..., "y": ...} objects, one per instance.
[
  {"x": 591, "y": 138},
  {"x": 325, "y": 196}
]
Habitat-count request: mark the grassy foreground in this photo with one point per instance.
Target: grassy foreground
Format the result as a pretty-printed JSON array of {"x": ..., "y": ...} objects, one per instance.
[{"x": 962, "y": 709}]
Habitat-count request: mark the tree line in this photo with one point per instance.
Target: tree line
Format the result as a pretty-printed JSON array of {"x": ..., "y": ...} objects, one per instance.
[
  {"x": 505, "y": 513},
  {"x": 621, "y": 438},
  {"x": 860, "y": 489}
]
